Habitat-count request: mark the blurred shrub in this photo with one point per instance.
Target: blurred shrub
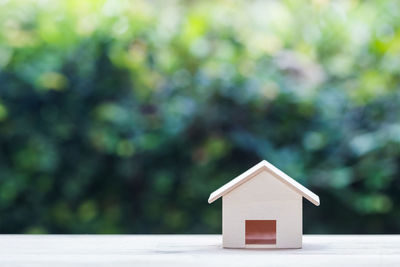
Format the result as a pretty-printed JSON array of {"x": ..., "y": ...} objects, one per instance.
[{"x": 122, "y": 116}]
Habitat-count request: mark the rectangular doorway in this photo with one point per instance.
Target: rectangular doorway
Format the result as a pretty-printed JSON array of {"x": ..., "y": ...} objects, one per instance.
[{"x": 261, "y": 232}]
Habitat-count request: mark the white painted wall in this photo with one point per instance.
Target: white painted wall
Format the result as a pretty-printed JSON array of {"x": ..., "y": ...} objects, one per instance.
[{"x": 263, "y": 197}]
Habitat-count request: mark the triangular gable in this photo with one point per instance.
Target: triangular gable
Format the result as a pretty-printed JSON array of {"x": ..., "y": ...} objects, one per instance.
[{"x": 254, "y": 171}]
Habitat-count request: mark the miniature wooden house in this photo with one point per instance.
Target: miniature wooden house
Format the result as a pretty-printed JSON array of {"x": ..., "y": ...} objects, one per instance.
[{"x": 262, "y": 208}]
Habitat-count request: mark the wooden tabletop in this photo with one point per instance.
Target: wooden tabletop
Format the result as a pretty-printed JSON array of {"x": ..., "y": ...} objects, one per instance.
[{"x": 193, "y": 250}]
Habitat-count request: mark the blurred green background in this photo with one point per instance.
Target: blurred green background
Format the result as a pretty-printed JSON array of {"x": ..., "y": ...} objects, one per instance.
[{"x": 123, "y": 116}]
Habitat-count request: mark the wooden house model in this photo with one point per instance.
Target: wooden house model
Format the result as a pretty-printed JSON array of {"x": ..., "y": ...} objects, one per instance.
[{"x": 262, "y": 208}]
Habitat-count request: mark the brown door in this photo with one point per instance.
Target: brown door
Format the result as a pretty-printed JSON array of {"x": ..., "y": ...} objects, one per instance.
[{"x": 261, "y": 232}]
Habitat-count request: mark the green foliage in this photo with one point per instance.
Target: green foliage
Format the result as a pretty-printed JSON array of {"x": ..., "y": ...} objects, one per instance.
[{"x": 122, "y": 116}]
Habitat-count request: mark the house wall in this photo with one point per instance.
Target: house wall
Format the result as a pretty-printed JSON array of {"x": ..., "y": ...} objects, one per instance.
[{"x": 263, "y": 197}]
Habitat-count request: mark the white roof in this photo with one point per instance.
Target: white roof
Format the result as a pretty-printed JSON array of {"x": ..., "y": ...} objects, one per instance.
[{"x": 252, "y": 172}]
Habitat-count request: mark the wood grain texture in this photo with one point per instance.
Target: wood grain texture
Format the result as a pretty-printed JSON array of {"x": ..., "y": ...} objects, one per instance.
[{"x": 193, "y": 250}]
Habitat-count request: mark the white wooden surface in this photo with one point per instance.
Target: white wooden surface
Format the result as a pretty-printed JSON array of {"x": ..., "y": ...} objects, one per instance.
[{"x": 193, "y": 250}]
